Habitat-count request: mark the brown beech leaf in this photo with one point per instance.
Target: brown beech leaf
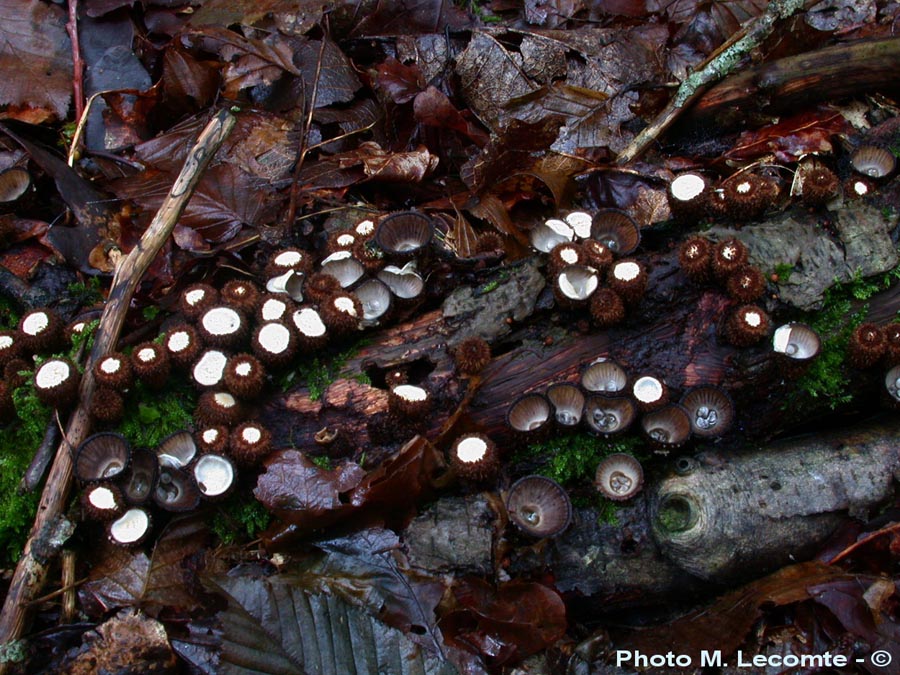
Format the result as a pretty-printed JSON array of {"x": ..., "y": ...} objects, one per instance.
[
  {"x": 248, "y": 12},
  {"x": 791, "y": 138},
  {"x": 399, "y": 81},
  {"x": 724, "y": 625},
  {"x": 307, "y": 497},
  {"x": 130, "y": 578},
  {"x": 505, "y": 624},
  {"x": 432, "y": 108},
  {"x": 36, "y": 60},
  {"x": 187, "y": 82},
  {"x": 411, "y": 17},
  {"x": 395, "y": 167},
  {"x": 337, "y": 81}
]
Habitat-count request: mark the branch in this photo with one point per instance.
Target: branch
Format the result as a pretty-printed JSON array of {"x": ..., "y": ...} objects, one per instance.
[
  {"x": 44, "y": 540},
  {"x": 720, "y": 64}
]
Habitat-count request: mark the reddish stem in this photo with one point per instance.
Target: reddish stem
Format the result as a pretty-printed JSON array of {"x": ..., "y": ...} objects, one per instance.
[{"x": 77, "y": 63}]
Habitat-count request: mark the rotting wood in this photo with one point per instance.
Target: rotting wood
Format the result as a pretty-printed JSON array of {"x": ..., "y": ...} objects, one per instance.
[
  {"x": 717, "y": 66},
  {"x": 797, "y": 81},
  {"x": 32, "y": 568}
]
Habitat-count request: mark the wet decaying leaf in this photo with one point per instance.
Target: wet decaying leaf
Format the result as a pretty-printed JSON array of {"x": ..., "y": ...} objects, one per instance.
[
  {"x": 505, "y": 624},
  {"x": 791, "y": 138},
  {"x": 36, "y": 59},
  {"x": 725, "y": 625},
  {"x": 308, "y": 497},
  {"x": 165, "y": 578}
]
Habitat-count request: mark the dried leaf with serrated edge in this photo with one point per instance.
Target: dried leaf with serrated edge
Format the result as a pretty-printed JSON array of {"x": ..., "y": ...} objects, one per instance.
[
  {"x": 462, "y": 237},
  {"x": 35, "y": 59},
  {"x": 130, "y": 578}
]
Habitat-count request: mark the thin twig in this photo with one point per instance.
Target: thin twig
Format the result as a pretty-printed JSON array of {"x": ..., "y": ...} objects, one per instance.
[
  {"x": 77, "y": 62},
  {"x": 32, "y": 569},
  {"x": 720, "y": 64}
]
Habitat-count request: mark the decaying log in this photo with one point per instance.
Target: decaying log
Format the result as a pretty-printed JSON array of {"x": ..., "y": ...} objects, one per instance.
[
  {"x": 50, "y": 529},
  {"x": 795, "y": 82},
  {"x": 707, "y": 520},
  {"x": 675, "y": 333}
]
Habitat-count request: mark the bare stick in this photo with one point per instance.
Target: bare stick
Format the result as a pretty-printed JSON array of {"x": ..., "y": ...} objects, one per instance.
[
  {"x": 77, "y": 63},
  {"x": 45, "y": 538},
  {"x": 719, "y": 65},
  {"x": 42, "y": 457}
]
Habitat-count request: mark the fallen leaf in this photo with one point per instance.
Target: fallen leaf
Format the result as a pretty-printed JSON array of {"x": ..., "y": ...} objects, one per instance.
[
  {"x": 130, "y": 578},
  {"x": 791, "y": 138},
  {"x": 411, "y": 17},
  {"x": 36, "y": 59},
  {"x": 506, "y": 624}
]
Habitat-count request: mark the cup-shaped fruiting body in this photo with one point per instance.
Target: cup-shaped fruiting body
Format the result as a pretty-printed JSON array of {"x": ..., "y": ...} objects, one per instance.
[
  {"x": 609, "y": 415},
  {"x": 746, "y": 196},
  {"x": 287, "y": 260},
  {"x": 113, "y": 371},
  {"x": 549, "y": 234},
  {"x": 131, "y": 528},
  {"x": 574, "y": 285},
  {"x": 151, "y": 365},
  {"x": 16, "y": 373},
  {"x": 867, "y": 345},
  {"x": 563, "y": 255},
  {"x": 568, "y": 404},
  {"x": 667, "y": 428},
  {"x": 214, "y": 475},
  {"x": 41, "y": 330},
  {"x": 208, "y": 370},
  {"x": 606, "y": 308},
  {"x": 409, "y": 400},
  {"x": 405, "y": 234},
  {"x": 107, "y": 405},
  {"x": 56, "y": 382},
  {"x": 619, "y": 477},
  {"x": 475, "y": 457},
  {"x": 250, "y": 443},
  {"x": 580, "y": 222},
  {"x": 710, "y": 410},
  {"x": 139, "y": 479},
  {"x": 857, "y": 187},
  {"x": 375, "y": 297},
  {"x": 530, "y": 417},
  {"x": 873, "y": 161},
  {"x": 176, "y": 450},
  {"x": 14, "y": 182},
  {"x": 103, "y": 456},
  {"x": 490, "y": 243},
  {"x": 472, "y": 355},
  {"x": 628, "y": 278},
  {"x": 539, "y": 506},
  {"x": 291, "y": 283},
  {"x": 616, "y": 230},
  {"x": 274, "y": 307},
  {"x": 196, "y": 299},
  {"x": 342, "y": 313},
  {"x": 183, "y": 345},
  {"x": 596, "y": 255},
  {"x": 892, "y": 387},
  {"x": 223, "y": 326},
  {"x": 604, "y": 376},
  {"x": 815, "y": 183},
  {"x": 274, "y": 344},
  {"x": 649, "y": 392},
  {"x": 689, "y": 195},
  {"x": 796, "y": 341},
  {"x": 728, "y": 256},
  {"x": 369, "y": 255},
  {"x": 405, "y": 283},
  {"x": 74, "y": 328},
  {"x": 311, "y": 331},
  {"x": 320, "y": 285},
  {"x": 218, "y": 407},
  {"x": 102, "y": 501},
  {"x": 747, "y": 325},
  {"x": 695, "y": 256},
  {"x": 11, "y": 346},
  {"x": 746, "y": 284},
  {"x": 342, "y": 240},
  {"x": 244, "y": 376},
  {"x": 396, "y": 376},
  {"x": 891, "y": 343},
  {"x": 242, "y": 295},
  {"x": 335, "y": 441},
  {"x": 212, "y": 439},
  {"x": 176, "y": 491},
  {"x": 343, "y": 267},
  {"x": 365, "y": 228}
]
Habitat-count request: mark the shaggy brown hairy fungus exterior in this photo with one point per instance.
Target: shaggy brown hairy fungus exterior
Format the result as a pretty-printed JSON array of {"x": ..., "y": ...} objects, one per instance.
[
  {"x": 472, "y": 355},
  {"x": 867, "y": 346},
  {"x": 747, "y": 326}
]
